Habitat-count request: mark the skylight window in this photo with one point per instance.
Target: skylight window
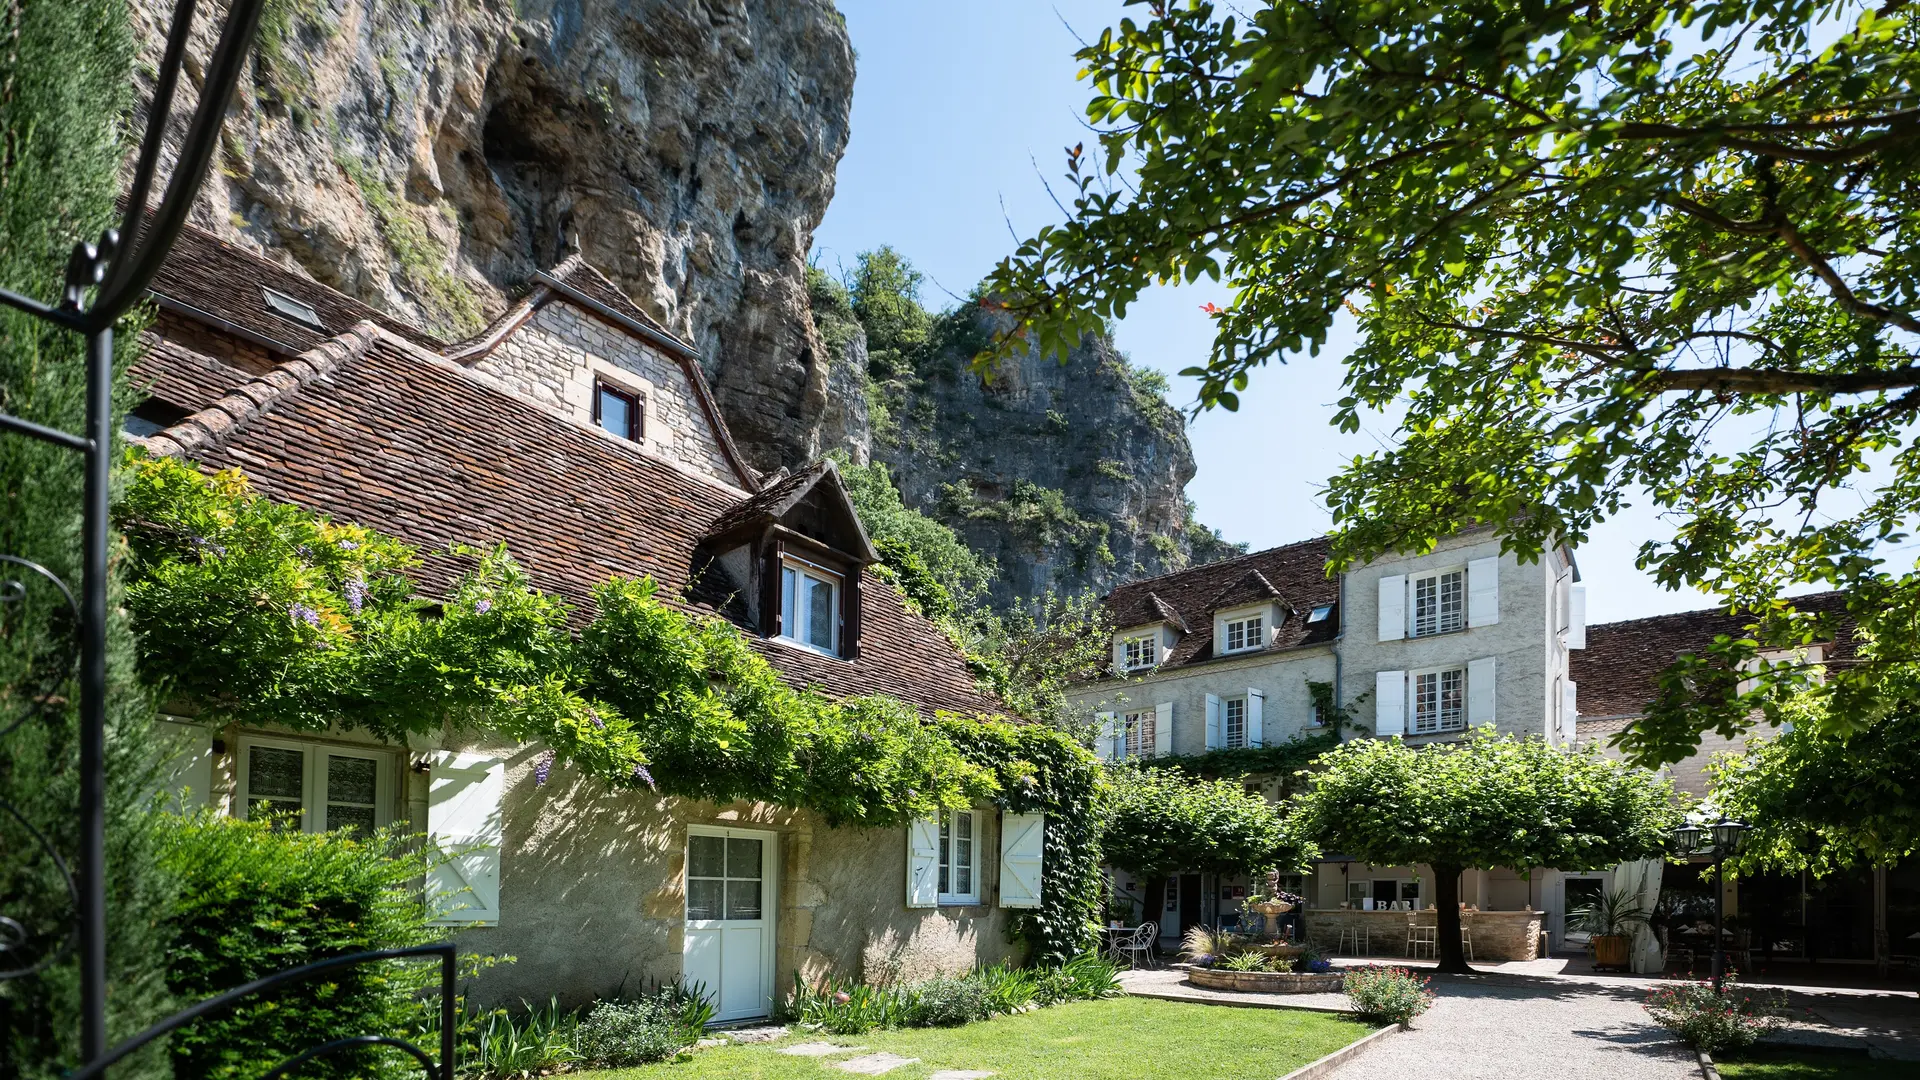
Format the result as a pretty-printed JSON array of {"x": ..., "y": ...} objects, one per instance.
[
  {"x": 1320, "y": 613},
  {"x": 288, "y": 307}
]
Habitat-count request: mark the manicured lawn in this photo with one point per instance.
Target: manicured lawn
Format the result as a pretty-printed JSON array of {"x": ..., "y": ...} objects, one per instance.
[
  {"x": 1813, "y": 1065},
  {"x": 1117, "y": 1039}
]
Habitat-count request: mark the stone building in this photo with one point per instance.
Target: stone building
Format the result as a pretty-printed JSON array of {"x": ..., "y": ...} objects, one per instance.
[
  {"x": 579, "y": 432},
  {"x": 1254, "y": 651}
]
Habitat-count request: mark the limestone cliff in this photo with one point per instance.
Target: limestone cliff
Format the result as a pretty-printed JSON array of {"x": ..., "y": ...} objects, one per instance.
[{"x": 429, "y": 157}]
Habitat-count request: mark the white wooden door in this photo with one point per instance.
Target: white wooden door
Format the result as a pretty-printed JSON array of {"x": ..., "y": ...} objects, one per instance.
[{"x": 730, "y": 919}]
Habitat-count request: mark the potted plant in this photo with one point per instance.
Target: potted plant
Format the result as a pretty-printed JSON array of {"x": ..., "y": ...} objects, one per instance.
[{"x": 1609, "y": 923}]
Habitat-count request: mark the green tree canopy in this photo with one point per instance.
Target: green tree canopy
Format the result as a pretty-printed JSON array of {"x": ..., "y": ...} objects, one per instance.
[
  {"x": 1578, "y": 241},
  {"x": 932, "y": 567},
  {"x": 885, "y": 289},
  {"x": 1160, "y": 822},
  {"x": 1485, "y": 801}
]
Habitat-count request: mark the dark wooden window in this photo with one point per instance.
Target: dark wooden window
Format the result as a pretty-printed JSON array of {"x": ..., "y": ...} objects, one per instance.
[{"x": 617, "y": 410}]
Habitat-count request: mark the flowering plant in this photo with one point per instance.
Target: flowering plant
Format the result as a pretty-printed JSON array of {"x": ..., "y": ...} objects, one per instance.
[
  {"x": 1387, "y": 994},
  {"x": 1714, "y": 1020}
]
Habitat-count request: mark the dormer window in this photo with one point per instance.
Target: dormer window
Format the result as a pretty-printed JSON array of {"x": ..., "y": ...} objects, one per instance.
[
  {"x": 1247, "y": 632},
  {"x": 810, "y": 606},
  {"x": 1141, "y": 651},
  {"x": 617, "y": 410}
]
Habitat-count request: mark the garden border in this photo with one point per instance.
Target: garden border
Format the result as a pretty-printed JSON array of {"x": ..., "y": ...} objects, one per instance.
[
  {"x": 1707, "y": 1069},
  {"x": 1322, "y": 1067}
]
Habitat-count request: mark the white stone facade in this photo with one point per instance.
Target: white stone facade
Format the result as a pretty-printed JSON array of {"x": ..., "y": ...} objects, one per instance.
[{"x": 556, "y": 357}]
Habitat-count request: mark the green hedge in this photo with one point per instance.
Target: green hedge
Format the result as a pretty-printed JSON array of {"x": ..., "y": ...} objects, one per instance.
[{"x": 257, "y": 900}]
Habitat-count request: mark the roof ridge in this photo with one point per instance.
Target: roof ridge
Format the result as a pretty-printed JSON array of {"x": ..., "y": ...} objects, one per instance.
[
  {"x": 1718, "y": 612},
  {"x": 1220, "y": 564},
  {"x": 213, "y": 425}
]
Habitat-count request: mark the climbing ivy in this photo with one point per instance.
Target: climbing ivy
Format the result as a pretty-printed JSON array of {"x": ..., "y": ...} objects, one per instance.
[{"x": 1282, "y": 760}]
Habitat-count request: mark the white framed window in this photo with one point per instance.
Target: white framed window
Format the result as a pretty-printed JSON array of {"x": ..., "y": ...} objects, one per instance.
[
  {"x": 324, "y": 786},
  {"x": 1140, "y": 651},
  {"x": 959, "y": 857},
  {"x": 810, "y": 606},
  {"x": 1233, "y": 721},
  {"x": 1141, "y": 732},
  {"x": 1439, "y": 700},
  {"x": 1439, "y": 602},
  {"x": 1246, "y": 633}
]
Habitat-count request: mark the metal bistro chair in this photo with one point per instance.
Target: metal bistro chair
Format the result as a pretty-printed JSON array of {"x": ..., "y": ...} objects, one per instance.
[
  {"x": 1466, "y": 934},
  {"x": 1422, "y": 937},
  {"x": 1137, "y": 948},
  {"x": 1354, "y": 941}
]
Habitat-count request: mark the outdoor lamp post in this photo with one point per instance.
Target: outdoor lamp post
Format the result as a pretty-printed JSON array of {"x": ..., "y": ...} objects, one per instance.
[{"x": 1723, "y": 838}]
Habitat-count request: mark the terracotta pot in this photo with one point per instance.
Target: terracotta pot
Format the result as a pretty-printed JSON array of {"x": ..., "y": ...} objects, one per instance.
[{"x": 1610, "y": 950}]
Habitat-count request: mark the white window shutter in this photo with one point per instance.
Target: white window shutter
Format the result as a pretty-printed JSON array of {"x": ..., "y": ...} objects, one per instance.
[
  {"x": 1106, "y": 743},
  {"x": 1577, "y": 617},
  {"x": 1480, "y": 691},
  {"x": 1569, "y": 706},
  {"x": 1163, "y": 729},
  {"x": 1483, "y": 592},
  {"x": 1389, "y": 703},
  {"x": 1213, "y": 721},
  {"x": 463, "y": 821},
  {"x": 1256, "y": 708},
  {"x": 923, "y": 862},
  {"x": 188, "y": 778},
  {"x": 1393, "y": 607},
  {"x": 1022, "y": 848}
]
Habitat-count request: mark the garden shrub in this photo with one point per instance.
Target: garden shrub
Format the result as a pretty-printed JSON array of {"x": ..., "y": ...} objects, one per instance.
[
  {"x": 1716, "y": 1020},
  {"x": 259, "y": 898},
  {"x": 1387, "y": 994},
  {"x": 844, "y": 1006},
  {"x": 621, "y": 1033},
  {"x": 948, "y": 1002},
  {"x": 500, "y": 1045},
  {"x": 1246, "y": 961},
  {"x": 1087, "y": 977}
]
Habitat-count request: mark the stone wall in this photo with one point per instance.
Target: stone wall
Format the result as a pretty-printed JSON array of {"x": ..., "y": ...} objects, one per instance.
[
  {"x": 554, "y": 358},
  {"x": 1282, "y": 677},
  {"x": 1497, "y": 935}
]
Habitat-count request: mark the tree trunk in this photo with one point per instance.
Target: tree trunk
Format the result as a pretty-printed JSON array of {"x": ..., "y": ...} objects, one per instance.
[{"x": 1446, "y": 905}]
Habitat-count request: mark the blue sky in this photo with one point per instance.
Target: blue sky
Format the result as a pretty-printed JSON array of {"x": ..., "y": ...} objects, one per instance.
[{"x": 960, "y": 116}]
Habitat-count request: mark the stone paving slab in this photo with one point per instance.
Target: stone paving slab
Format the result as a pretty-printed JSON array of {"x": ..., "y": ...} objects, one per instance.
[
  {"x": 819, "y": 1049},
  {"x": 762, "y": 1033},
  {"x": 875, "y": 1064}
]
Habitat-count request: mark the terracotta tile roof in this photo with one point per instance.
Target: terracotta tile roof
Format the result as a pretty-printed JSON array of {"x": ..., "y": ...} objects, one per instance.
[
  {"x": 1617, "y": 672},
  {"x": 1296, "y": 573},
  {"x": 782, "y": 495},
  {"x": 409, "y": 443}
]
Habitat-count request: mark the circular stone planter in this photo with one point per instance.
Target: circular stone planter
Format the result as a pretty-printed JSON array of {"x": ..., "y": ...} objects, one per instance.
[{"x": 1266, "y": 982}]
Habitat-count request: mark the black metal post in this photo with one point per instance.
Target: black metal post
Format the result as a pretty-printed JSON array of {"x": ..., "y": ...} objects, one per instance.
[
  {"x": 1719, "y": 921},
  {"x": 93, "y": 703}
]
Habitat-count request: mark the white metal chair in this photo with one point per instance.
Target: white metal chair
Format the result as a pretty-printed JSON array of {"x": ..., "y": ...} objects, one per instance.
[
  {"x": 1422, "y": 937},
  {"x": 1466, "y": 934},
  {"x": 1353, "y": 937},
  {"x": 1137, "y": 948}
]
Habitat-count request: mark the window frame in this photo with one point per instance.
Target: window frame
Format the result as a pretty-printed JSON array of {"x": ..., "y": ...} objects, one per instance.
[
  {"x": 313, "y": 798},
  {"x": 636, "y": 409},
  {"x": 1248, "y": 642},
  {"x": 790, "y": 630},
  {"x": 1139, "y": 733},
  {"x": 1413, "y": 700},
  {"x": 1413, "y": 601},
  {"x": 1226, "y": 722},
  {"x": 1151, "y": 641},
  {"x": 947, "y": 863}
]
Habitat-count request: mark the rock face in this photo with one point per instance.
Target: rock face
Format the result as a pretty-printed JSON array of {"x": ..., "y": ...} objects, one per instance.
[{"x": 428, "y": 158}]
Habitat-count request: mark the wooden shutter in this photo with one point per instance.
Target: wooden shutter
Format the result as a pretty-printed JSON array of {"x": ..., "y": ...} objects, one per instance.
[
  {"x": 1256, "y": 721},
  {"x": 463, "y": 821},
  {"x": 1022, "y": 852},
  {"x": 770, "y": 587},
  {"x": 1106, "y": 741},
  {"x": 1163, "y": 729},
  {"x": 1569, "y": 706},
  {"x": 850, "y": 615},
  {"x": 1393, "y": 607},
  {"x": 1483, "y": 592},
  {"x": 923, "y": 863},
  {"x": 1480, "y": 685},
  {"x": 187, "y": 780},
  {"x": 1213, "y": 721},
  {"x": 1577, "y": 617},
  {"x": 1389, "y": 703}
]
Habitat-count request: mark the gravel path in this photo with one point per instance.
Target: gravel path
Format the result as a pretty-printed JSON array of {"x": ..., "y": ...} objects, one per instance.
[{"x": 1567, "y": 1032}]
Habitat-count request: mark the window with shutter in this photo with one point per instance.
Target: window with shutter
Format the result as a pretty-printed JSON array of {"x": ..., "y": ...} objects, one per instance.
[
  {"x": 923, "y": 859},
  {"x": 1142, "y": 733},
  {"x": 1233, "y": 722},
  {"x": 1439, "y": 603},
  {"x": 958, "y": 858},
  {"x": 316, "y": 787},
  {"x": 1389, "y": 703},
  {"x": 1439, "y": 700}
]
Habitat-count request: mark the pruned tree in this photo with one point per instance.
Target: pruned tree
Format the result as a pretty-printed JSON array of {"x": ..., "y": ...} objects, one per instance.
[
  {"x": 1483, "y": 802},
  {"x": 1580, "y": 243},
  {"x": 1162, "y": 822}
]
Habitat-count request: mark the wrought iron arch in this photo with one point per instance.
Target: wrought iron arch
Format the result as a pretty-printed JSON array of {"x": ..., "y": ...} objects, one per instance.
[{"x": 103, "y": 280}]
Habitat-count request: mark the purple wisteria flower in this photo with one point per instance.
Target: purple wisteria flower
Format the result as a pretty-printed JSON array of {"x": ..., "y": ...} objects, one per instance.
[
  {"x": 302, "y": 613},
  {"x": 305, "y": 551},
  {"x": 205, "y": 544},
  {"x": 640, "y": 773},
  {"x": 542, "y": 768},
  {"x": 594, "y": 715},
  {"x": 348, "y": 545},
  {"x": 482, "y": 606},
  {"x": 356, "y": 595}
]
